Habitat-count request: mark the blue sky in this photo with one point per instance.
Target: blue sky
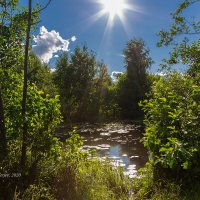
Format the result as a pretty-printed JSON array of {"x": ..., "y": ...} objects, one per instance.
[{"x": 77, "y": 18}]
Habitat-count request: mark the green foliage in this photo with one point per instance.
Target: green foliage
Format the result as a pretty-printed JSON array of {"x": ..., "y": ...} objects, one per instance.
[
  {"x": 37, "y": 193},
  {"x": 82, "y": 84},
  {"x": 43, "y": 116},
  {"x": 181, "y": 25},
  {"x": 83, "y": 177},
  {"x": 147, "y": 187},
  {"x": 185, "y": 52},
  {"x": 40, "y": 74},
  {"x": 172, "y": 123},
  {"x": 74, "y": 78},
  {"x": 110, "y": 108}
]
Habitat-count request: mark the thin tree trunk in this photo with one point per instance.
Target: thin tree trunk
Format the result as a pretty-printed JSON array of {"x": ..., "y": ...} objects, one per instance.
[{"x": 25, "y": 86}]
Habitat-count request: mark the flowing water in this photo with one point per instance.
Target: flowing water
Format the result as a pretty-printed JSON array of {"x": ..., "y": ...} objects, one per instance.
[{"x": 118, "y": 142}]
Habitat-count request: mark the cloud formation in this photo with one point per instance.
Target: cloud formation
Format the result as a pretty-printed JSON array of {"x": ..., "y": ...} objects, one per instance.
[
  {"x": 48, "y": 43},
  {"x": 73, "y": 38},
  {"x": 115, "y": 75}
]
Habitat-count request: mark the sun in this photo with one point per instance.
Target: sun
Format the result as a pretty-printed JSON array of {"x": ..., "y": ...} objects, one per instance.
[{"x": 113, "y": 7}]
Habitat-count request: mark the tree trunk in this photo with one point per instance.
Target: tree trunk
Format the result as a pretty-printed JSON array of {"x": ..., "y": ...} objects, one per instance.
[{"x": 25, "y": 86}]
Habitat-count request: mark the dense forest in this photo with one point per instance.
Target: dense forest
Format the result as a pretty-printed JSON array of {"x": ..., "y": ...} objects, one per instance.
[{"x": 35, "y": 100}]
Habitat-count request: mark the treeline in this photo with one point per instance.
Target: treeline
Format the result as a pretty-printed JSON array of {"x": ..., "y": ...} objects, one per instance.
[{"x": 87, "y": 91}]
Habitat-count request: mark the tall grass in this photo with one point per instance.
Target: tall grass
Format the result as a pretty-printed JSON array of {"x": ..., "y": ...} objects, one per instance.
[
  {"x": 147, "y": 187},
  {"x": 92, "y": 180}
]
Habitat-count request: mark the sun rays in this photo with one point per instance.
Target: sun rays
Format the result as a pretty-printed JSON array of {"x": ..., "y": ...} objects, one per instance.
[
  {"x": 113, "y": 8},
  {"x": 115, "y": 14}
]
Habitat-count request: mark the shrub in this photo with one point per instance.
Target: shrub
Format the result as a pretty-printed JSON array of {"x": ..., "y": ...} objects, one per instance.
[{"x": 172, "y": 123}]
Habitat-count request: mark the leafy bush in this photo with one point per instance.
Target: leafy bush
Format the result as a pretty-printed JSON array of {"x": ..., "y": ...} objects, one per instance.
[
  {"x": 43, "y": 116},
  {"x": 172, "y": 123}
]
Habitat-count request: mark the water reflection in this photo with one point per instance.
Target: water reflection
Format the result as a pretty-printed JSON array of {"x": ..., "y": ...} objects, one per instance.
[{"x": 120, "y": 143}]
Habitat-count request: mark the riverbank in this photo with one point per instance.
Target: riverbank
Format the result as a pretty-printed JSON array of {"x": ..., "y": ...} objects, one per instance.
[
  {"x": 119, "y": 142},
  {"x": 143, "y": 186},
  {"x": 75, "y": 175}
]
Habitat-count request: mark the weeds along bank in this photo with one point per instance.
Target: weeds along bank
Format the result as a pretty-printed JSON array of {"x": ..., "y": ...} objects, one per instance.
[{"x": 74, "y": 175}]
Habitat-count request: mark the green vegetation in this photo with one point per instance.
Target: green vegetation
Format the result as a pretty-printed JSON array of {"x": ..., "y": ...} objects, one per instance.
[
  {"x": 34, "y": 164},
  {"x": 133, "y": 85},
  {"x": 172, "y": 133},
  {"x": 86, "y": 89},
  {"x": 82, "y": 84},
  {"x": 83, "y": 177},
  {"x": 172, "y": 119}
]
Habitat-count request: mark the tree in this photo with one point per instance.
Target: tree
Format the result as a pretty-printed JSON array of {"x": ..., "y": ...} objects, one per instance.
[
  {"x": 30, "y": 22},
  {"x": 27, "y": 123},
  {"x": 11, "y": 37},
  {"x": 74, "y": 78},
  {"x": 180, "y": 25},
  {"x": 40, "y": 74},
  {"x": 63, "y": 79},
  {"x": 99, "y": 92},
  {"x": 132, "y": 86},
  {"x": 183, "y": 27}
]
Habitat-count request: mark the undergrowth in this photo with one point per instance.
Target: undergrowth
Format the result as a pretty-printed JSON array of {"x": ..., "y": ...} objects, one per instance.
[{"x": 147, "y": 187}]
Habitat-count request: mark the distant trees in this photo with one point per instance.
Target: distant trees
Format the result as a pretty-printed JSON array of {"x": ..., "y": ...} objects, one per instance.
[
  {"x": 74, "y": 78},
  {"x": 133, "y": 84},
  {"x": 40, "y": 74},
  {"x": 86, "y": 89},
  {"x": 83, "y": 85}
]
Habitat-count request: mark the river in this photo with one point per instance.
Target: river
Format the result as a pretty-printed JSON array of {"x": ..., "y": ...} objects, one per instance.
[{"x": 118, "y": 142}]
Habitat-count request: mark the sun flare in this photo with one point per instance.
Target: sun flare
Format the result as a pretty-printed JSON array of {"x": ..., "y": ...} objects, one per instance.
[{"x": 114, "y": 7}]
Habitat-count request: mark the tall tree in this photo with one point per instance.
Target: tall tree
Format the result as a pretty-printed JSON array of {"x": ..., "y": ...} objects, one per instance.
[
  {"x": 30, "y": 22},
  {"x": 132, "y": 86},
  {"x": 25, "y": 85},
  {"x": 99, "y": 92},
  {"x": 63, "y": 79}
]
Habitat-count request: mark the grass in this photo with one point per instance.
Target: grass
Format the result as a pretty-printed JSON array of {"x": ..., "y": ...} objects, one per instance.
[
  {"x": 77, "y": 176},
  {"x": 92, "y": 180},
  {"x": 146, "y": 187}
]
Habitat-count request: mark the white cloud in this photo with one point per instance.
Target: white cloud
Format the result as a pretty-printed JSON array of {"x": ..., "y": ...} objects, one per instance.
[
  {"x": 48, "y": 43},
  {"x": 161, "y": 73},
  {"x": 56, "y": 56},
  {"x": 115, "y": 75},
  {"x": 73, "y": 38},
  {"x": 53, "y": 69}
]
